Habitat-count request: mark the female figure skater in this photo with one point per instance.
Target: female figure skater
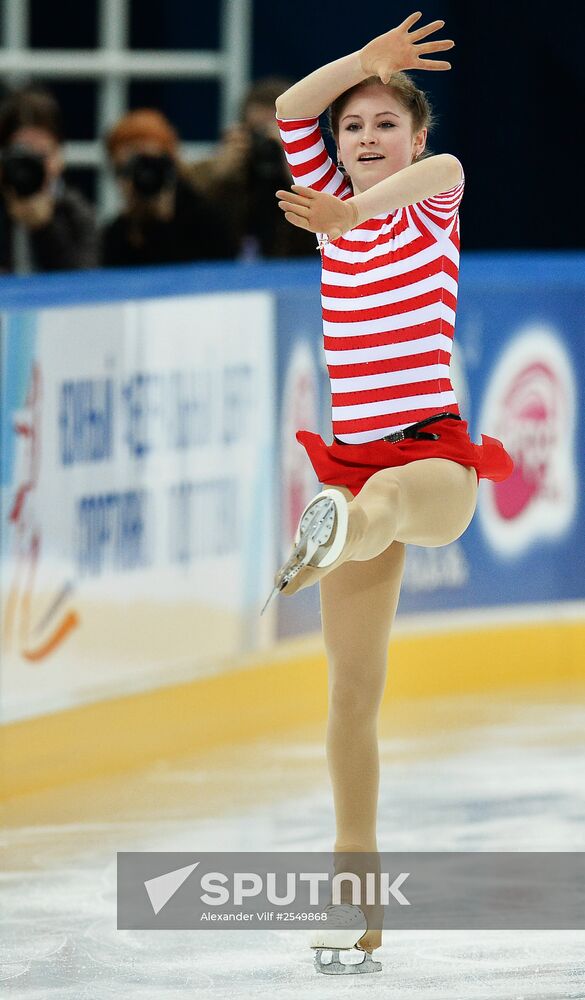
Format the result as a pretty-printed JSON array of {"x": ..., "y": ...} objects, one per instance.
[{"x": 402, "y": 467}]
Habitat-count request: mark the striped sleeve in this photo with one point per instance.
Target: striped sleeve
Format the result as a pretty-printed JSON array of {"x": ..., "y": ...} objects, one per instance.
[
  {"x": 442, "y": 208},
  {"x": 308, "y": 159}
]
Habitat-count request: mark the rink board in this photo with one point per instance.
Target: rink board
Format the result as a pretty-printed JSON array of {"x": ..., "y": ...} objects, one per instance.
[
  {"x": 138, "y": 452},
  {"x": 267, "y": 698},
  {"x": 137, "y": 405}
]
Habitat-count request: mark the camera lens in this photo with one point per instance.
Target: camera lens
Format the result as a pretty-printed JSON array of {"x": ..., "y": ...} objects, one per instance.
[
  {"x": 23, "y": 171},
  {"x": 266, "y": 158},
  {"x": 150, "y": 174}
]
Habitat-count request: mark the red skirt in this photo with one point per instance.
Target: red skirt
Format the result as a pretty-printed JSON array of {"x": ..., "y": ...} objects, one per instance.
[{"x": 351, "y": 465}]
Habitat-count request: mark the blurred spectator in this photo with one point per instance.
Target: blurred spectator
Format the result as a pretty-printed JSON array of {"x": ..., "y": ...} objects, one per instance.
[
  {"x": 44, "y": 224},
  {"x": 247, "y": 169},
  {"x": 164, "y": 219}
]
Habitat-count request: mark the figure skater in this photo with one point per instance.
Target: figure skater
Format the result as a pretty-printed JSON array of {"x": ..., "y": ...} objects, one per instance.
[{"x": 401, "y": 468}]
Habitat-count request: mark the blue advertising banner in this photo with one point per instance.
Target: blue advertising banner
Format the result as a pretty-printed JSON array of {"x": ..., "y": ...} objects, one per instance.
[{"x": 518, "y": 367}]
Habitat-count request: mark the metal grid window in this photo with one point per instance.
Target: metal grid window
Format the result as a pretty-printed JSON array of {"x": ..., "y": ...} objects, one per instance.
[{"x": 113, "y": 66}]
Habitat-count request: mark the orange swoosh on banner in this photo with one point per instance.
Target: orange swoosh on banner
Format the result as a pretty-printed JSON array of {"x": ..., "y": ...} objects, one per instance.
[{"x": 70, "y": 622}]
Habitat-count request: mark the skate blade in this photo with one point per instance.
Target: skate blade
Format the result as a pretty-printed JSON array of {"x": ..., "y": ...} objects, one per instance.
[
  {"x": 355, "y": 962},
  {"x": 285, "y": 575},
  {"x": 295, "y": 563},
  {"x": 271, "y": 596}
]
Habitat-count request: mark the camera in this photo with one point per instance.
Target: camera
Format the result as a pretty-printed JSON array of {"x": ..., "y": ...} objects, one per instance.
[
  {"x": 266, "y": 159},
  {"x": 23, "y": 171},
  {"x": 149, "y": 174}
]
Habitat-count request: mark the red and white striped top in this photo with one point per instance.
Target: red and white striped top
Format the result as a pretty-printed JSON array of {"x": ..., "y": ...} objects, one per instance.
[{"x": 389, "y": 295}]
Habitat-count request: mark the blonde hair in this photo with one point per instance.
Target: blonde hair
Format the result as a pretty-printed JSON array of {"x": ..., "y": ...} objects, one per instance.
[{"x": 404, "y": 89}]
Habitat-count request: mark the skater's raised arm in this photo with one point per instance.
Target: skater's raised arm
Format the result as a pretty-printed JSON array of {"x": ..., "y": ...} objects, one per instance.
[
  {"x": 395, "y": 50},
  {"x": 311, "y": 96}
]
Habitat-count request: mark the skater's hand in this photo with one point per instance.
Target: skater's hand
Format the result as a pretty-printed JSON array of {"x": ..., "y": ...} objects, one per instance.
[
  {"x": 396, "y": 50},
  {"x": 316, "y": 211}
]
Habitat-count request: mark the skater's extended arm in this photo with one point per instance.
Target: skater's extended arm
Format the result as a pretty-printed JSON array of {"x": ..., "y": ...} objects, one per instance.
[
  {"x": 323, "y": 213},
  {"x": 408, "y": 186},
  {"x": 395, "y": 50}
]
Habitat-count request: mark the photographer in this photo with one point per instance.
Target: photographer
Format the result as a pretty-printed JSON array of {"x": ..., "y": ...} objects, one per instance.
[
  {"x": 164, "y": 219},
  {"x": 44, "y": 225},
  {"x": 246, "y": 171}
]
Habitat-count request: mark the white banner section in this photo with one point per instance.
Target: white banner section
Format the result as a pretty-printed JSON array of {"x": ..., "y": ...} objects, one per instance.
[{"x": 138, "y": 495}]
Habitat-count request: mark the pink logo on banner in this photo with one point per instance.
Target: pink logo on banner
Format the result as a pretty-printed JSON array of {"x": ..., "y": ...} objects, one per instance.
[
  {"x": 299, "y": 411},
  {"x": 531, "y": 411},
  {"x": 530, "y": 406}
]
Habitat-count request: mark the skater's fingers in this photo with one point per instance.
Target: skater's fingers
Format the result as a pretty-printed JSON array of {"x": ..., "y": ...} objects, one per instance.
[
  {"x": 435, "y": 46},
  {"x": 432, "y": 64},
  {"x": 411, "y": 19},
  {"x": 304, "y": 191},
  {"x": 296, "y": 220},
  {"x": 297, "y": 209},
  {"x": 428, "y": 29},
  {"x": 293, "y": 199}
]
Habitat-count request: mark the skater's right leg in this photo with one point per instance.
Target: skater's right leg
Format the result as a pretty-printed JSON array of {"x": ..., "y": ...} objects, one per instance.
[
  {"x": 427, "y": 502},
  {"x": 358, "y": 604}
]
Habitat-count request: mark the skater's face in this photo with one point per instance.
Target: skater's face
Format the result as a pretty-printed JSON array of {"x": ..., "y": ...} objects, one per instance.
[{"x": 375, "y": 137}]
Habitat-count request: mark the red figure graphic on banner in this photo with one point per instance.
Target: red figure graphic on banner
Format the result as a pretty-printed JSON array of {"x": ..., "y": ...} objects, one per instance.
[{"x": 34, "y": 641}]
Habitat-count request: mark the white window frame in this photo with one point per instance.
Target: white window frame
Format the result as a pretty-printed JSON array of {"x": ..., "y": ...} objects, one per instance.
[{"x": 112, "y": 65}]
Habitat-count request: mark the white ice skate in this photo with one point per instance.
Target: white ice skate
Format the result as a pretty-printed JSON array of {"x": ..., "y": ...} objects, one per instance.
[
  {"x": 337, "y": 952},
  {"x": 319, "y": 538}
]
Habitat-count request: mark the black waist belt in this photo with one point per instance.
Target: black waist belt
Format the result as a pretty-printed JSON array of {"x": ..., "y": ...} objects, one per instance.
[{"x": 414, "y": 430}]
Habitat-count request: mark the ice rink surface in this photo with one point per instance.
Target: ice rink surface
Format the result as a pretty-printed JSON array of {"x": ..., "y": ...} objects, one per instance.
[{"x": 469, "y": 774}]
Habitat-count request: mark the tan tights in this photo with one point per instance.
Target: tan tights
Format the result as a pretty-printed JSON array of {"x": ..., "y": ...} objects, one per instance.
[{"x": 429, "y": 502}]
